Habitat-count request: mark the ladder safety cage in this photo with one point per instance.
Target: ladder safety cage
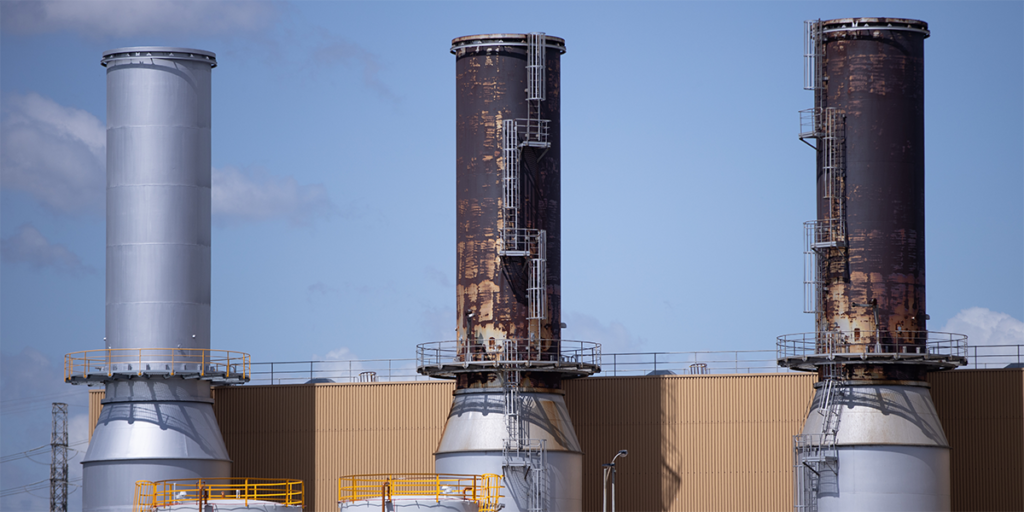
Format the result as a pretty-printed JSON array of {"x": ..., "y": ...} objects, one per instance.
[
  {"x": 519, "y": 449},
  {"x": 813, "y": 282},
  {"x": 814, "y": 55},
  {"x": 537, "y": 288},
  {"x": 810, "y": 124},
  {"x": 832, "y": 142},
  {"x": 535, "y": 64},
  {"x": 510, "y": 186},
  {"x": 816, "y": 454}
]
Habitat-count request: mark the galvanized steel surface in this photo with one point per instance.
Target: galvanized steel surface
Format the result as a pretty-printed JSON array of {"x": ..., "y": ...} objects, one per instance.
[
  {"x": 883, "y": 415},
  {"x": 887, "y": 479},
  {"x": 491, "y": 78},
  {"x": 876, "y": 78},
  {"x": 158, "y": 281},
  {"x": 428, "y": 503},
  {"x": 158, "y": 198},
  {"x": 477, "y": 423},
  {"x": 564, "y": 475}
]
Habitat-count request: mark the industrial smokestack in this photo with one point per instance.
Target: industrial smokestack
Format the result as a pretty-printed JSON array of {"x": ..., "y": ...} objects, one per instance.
[
  {"x": 157, "y": 421},
  {"x": 866, "y": 278},
  {"x": 508, "y": 416}
]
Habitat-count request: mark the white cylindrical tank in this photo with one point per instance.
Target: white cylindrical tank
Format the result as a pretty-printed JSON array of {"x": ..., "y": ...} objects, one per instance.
[
  {"x": 410, "y": 504},
  {"x": 473, "y": 442},
  {"x": 892, "y": 452},
  {"x": 235, "y": 506}
]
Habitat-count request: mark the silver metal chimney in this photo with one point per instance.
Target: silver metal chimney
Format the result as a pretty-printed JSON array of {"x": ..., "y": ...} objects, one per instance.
[{"x": 157, "y": 421}]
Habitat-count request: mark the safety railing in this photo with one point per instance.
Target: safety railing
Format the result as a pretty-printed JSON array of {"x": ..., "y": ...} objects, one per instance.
[
  {"x": 804, "y": 351},
  {"x": 484, "y": 489},
  {"x": 810, "y": 123},
  {"x": 445, "y": 358},
  {"x": 339, "y": 371},
  {"x": 689, "y": 363},
  {"x": 618, "y": 364},
  {"x": 153, "y": 496},
  {"x": 534, "y": 132},
  {"x": 222, "y": 366}
]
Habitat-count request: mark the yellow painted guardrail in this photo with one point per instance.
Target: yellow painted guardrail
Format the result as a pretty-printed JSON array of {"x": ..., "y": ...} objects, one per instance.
[
  {"x": 483, "y": 489},
  {"x": 152, "y": 496},
  {"x": 202, "y": 362}
]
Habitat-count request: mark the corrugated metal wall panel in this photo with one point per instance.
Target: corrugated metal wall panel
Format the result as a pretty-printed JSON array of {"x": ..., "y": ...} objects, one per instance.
[
  {"x": 270, "y": 431},
  {"x": 95, "y": 396},
  {"x": 376, "y": 428},
  {"x": 982, "y": 412},
  {"x": 710, "y": 442}
]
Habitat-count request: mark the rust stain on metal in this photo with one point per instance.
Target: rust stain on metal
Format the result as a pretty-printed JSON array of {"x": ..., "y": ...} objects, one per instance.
[
  {"x": 492, "y": 299},
  {"x": 875, "y": 286}
]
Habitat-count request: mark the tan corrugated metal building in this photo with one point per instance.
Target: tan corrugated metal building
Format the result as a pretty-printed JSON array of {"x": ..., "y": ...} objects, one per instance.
[{"x": 702, "y": 442}]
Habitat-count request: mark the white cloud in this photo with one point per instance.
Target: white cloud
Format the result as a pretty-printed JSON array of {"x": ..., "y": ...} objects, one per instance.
[
  {"x": 988, "y": 335},
  {"x": 118, "y": 18},
  {"x": 29, "y": 246},
  {"x": 55, "y": 153},
  {"x": 58, "y": 155},
  {"x": 239, "y": 196}
]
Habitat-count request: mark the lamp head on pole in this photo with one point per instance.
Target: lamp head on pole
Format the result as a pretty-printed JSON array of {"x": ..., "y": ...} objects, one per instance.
[{"x": 622, "y": 453}]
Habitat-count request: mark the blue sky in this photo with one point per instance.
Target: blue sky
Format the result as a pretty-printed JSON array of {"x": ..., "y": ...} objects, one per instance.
[{"x": 684, "y": 185}]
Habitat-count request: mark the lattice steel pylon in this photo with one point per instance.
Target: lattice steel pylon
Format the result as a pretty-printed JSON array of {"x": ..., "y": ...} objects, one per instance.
[{"x": 59, "y": 459}]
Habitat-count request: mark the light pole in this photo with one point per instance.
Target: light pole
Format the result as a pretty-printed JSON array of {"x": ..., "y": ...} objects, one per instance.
[{"x": 610, "y": 468}]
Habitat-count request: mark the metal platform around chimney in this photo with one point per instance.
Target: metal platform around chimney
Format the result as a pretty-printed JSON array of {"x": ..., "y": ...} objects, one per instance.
[
  {"x": 807, "y": 351},
  {"x": 445, "y": 359},
  {"x": 106, "y": 365}
]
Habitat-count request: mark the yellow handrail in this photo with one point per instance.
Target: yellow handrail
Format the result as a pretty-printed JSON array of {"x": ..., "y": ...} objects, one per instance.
[
  {"x": 160, "y": 361},
  {"x": 151, "y": 496},
  {"x": 483, "y": 489}
]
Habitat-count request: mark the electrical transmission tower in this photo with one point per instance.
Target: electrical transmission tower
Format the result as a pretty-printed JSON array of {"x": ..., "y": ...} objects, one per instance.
[{"x": 59, "y": 459}]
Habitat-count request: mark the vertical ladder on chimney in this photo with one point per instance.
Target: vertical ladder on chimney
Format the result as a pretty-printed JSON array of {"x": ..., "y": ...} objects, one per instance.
[
  {"x": 827, "y": 126},
  {"x": 519, "y": 240},
  {"x": 536, "y": 290},
  {"x": 517, "y": 134},
  {"x": 512, "y": 245},
  {"x": 520, "y": 450},
  {"x": 816, "y": 454},
  {"x": 832, "y": 142}
]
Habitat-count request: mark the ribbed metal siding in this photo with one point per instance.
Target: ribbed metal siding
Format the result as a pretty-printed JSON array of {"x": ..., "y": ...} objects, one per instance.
[
  {"x": 270, "y": 431},
  {"x": 982, "y": 412},
  {"x": 95, "y": 396},
  {"x": 717, "y": 442},
  {"x": 695, "y": 442},
  {"x": 376, "y": 428}
]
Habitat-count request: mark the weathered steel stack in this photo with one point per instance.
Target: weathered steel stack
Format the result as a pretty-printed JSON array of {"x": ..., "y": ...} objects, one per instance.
[
  {"x": 872, "y": 440},
  {"x": 508, "y": 416}
]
